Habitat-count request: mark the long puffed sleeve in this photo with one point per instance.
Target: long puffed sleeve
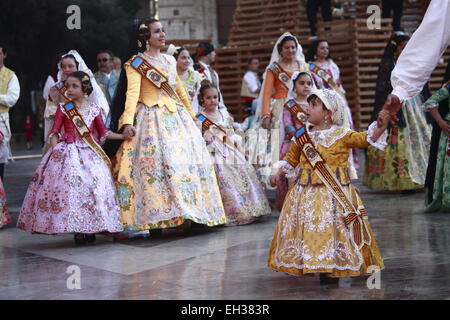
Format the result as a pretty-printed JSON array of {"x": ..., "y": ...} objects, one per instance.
[
  {"x": 293, "y": 154},
  {"x": 133, "y": 94},
  {"x": 355, "y": 139},
  {"x": 12, "y": 93},
  {"x": 184, "y": 97},
  {"x": 423, "y": 51},
  {"x": 101, "y": 128},
  {"x": 57, "y": 123},
  {"x": 267, "y": 93}
]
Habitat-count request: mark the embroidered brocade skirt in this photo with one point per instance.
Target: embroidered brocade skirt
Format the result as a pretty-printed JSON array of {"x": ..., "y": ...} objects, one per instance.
[
  {"x": 164, "y": 174},
  {"x": 4, "y": 212},
  {"x": 242, "y": 194},
  {"x": 311, "y": 237},
  {"x": 71, "y": 191},
  {"x": 403, "y": 163},
  {"x": 441, "y": 186}
]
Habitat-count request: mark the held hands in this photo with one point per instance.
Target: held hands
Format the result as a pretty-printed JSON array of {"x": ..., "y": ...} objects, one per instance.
[
  {"x": 392, "y": 105},
  {"x": 383, "y": 119},
  {"x": 129, "y": 132}
]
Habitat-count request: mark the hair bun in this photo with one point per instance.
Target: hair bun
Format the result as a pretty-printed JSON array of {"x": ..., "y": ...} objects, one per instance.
[
  {"x": 86, "y": 85},
  {"x": 143, "y": 34}
]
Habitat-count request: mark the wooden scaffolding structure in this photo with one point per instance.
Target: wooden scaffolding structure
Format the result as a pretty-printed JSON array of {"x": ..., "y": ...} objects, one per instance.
[{"x": 357, "y": 50}]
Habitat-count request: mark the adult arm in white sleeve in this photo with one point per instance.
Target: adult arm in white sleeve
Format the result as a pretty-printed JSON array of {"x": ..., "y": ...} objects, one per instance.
[
  {"x": 423, "y": 51},
  {"x": 12, "y": 93}
]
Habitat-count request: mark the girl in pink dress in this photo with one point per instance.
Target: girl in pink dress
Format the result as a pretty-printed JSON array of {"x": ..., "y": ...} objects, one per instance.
[
  {"x": 72, "y": 190},
  {"x": 4, "y": 213},
  {"x": 300, "y": 87}
]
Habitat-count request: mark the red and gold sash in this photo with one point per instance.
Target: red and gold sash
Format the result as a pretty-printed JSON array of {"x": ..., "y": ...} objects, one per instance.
[
  {"x": 355, "y": 215},
  {"x": 297, "y": 112},
  {"x": 207, "y": 124},
  {"x": 154, "y": 76},
  {"x": 57, "y": 91},
  {"x": 84, "y": 131},
  {"x": 280, "y": 74},
  {"x": 325, "y": 76}
]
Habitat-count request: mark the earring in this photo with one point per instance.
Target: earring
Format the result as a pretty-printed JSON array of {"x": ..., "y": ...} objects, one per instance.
[
  {"x": 326, "y": 120},
  {"x": 148, "y": 46}
]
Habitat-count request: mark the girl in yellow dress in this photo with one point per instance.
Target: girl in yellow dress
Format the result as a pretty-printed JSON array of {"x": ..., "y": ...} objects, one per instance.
[
  {"x": 311, "y": 235},
  {"x": 164, "y": 174}
]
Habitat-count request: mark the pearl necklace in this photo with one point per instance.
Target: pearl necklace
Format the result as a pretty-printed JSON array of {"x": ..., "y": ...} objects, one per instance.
[{"x": 157, "y": 59}]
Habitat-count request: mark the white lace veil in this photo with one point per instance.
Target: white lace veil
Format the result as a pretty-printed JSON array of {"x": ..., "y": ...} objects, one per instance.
[
  {"x": 275, "y": 57},
  {"x": 339, "y": 116},
  {"x": 334, "y": 102},
  {"x": 97, "y": 96}
]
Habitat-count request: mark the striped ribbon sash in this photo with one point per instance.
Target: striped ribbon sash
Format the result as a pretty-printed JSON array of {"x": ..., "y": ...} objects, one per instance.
[
  {"x": 280, "y": 74},
  {"x": 159, "y": 80},
  {"x": 325, "y": 76},
  {"x": 207, "y": 124},
  {"x": 57, "y": 93}
]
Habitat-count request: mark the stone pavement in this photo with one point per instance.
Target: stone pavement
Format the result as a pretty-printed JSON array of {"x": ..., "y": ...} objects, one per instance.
[{"x": 218, "y": 263}]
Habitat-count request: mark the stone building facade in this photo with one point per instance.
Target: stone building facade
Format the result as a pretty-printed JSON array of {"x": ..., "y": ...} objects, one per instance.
[{"x": 195, "y": 19}]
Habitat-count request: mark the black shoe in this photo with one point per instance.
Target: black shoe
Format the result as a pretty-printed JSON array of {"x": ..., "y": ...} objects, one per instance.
[
  {"x": 187, "y": 226},
  {"x": 156, "y": 233},
  {"x": 90, "y": 238},
  {"x": 79, "y": 238},
  {"x": 325, "y": 279}
]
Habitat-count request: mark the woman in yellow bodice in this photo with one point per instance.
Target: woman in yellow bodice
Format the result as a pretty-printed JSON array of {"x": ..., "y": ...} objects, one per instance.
[{"x": 164, "y": 173}]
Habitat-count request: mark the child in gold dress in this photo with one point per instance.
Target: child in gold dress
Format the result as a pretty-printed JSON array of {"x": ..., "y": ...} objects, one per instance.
[{"x": 315, "y": 232}]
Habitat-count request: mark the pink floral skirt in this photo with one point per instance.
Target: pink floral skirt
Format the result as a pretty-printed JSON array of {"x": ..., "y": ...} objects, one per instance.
[
  {"x": 71, "y": 191},
  {"x": 4, "y": 212}
]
